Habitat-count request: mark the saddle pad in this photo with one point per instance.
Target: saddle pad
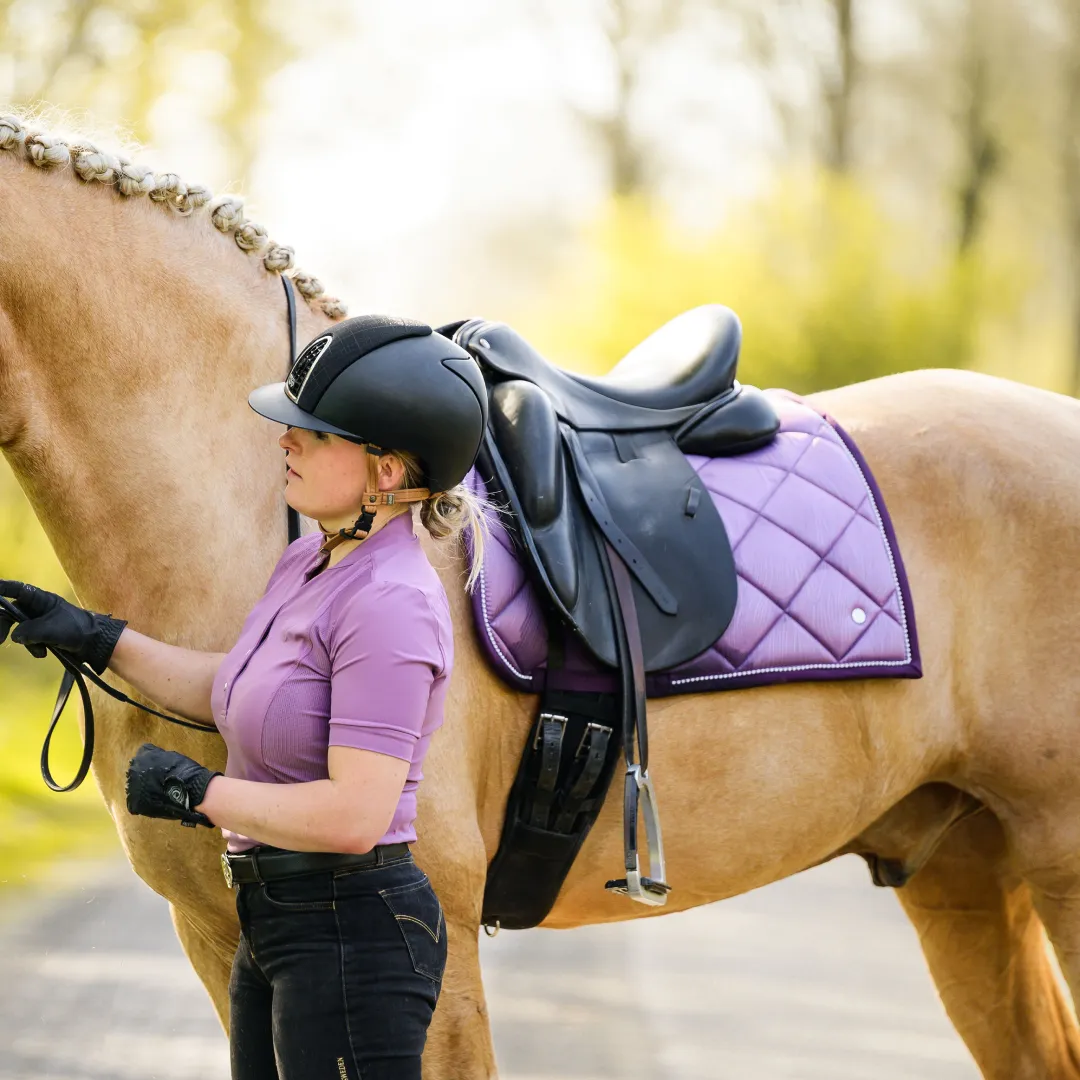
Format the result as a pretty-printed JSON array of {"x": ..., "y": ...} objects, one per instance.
[{"x": 822, "y": 588}]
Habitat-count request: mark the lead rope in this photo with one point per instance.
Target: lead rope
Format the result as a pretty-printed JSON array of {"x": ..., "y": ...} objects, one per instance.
[{"x": 76, "y": 674}]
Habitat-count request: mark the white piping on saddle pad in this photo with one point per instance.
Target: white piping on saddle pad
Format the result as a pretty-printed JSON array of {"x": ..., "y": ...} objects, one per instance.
[{"x": 491, "y": 630}]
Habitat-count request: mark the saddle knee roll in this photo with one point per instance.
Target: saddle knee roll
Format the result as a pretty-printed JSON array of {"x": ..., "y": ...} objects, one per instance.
[{"x": 526, "y": 427}]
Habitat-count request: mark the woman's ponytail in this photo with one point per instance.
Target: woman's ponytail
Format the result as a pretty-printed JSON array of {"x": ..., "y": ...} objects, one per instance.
[{"x": 452, "y": 514}]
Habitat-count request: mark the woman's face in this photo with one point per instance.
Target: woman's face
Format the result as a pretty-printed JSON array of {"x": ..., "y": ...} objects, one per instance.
[{"x": 327, "y": 475}]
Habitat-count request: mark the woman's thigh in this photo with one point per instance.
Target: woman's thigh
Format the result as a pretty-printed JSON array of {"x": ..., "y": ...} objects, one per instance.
[
  {"x": 251, "y": 1041},
  {"x": 355, "y": 963}
]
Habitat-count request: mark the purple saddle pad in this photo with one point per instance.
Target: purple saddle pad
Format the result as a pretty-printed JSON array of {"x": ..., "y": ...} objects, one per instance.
[{"x": 822, "y": 588}]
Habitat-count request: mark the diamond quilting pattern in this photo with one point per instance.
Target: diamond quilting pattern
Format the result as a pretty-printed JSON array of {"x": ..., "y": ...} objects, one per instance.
[{"x": 820, "y": 591}]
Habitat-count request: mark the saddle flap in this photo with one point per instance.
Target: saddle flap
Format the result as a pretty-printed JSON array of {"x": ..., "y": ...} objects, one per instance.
[{"x": 674, "y": 545}]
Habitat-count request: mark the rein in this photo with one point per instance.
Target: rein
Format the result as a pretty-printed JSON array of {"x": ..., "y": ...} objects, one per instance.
[{"x": 76, "y": 674}]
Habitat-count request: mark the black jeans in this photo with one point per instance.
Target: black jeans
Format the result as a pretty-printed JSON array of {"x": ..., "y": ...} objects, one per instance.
[{"x": 337, "y": 975}]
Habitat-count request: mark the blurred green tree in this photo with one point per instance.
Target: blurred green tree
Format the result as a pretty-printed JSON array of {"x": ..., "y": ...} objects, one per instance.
[
  {"x": 120, "y": 58},
  {"x": 830, "y": 288}
]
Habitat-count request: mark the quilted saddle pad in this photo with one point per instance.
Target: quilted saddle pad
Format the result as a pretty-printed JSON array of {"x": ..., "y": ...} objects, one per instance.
[{"x": 822, "y": 588}]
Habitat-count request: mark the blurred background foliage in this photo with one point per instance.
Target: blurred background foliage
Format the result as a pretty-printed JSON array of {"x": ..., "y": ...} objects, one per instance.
[{"x": 873, "y": 185}]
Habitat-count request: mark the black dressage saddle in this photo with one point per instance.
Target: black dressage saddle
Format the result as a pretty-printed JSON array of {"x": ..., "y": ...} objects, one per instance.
[
  {"x": 631, "y": 552},
  {"x": 587, "y": 461}
]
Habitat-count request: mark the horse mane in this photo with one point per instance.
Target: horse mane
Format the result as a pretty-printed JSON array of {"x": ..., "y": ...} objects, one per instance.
[{"x": 23, "y": 136}]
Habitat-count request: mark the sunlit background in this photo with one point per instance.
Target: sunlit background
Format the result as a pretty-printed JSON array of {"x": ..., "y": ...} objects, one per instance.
[{"x": 872, "y": 185}]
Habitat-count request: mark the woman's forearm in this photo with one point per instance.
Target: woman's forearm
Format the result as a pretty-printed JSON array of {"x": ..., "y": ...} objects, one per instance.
[
  {"x": 319, "y": 815},
  {"x": 179, "y": 680}
]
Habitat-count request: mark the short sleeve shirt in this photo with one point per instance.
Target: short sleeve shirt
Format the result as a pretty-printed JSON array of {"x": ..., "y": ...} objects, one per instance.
[{"x": 358, "y": 654}]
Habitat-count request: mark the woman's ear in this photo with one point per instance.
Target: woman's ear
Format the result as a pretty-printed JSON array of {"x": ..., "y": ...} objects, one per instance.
[{"x": 391, "y": 472}]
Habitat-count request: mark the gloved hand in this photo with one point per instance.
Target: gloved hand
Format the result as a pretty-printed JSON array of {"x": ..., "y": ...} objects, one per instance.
[
  {"x": 85, "y": 636},
  {"x": 165, "y": 784}
]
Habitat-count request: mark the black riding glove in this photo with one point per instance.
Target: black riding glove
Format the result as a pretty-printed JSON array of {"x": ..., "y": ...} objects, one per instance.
[
  {"x": 165, "y": 784},
  {"x": 85, "y": 636}
]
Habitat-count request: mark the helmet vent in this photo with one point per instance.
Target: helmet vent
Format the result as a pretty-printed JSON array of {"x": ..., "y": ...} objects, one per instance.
[{"x": 303, "y": 366}]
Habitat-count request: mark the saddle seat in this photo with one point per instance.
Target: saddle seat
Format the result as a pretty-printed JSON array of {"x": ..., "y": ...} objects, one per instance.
[{"x": 688, "y": 361}]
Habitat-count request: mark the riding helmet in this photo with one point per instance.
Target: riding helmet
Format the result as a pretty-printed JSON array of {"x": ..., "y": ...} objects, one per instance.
[{"x": 389, "y": 382}]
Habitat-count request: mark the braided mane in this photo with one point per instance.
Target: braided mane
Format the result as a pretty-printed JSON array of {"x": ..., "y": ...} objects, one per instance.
[{"x": 22, "y": 136}]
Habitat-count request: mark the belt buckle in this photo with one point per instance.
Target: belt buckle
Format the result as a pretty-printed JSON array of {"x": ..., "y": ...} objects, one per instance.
[{"x": 226, "y": 869}]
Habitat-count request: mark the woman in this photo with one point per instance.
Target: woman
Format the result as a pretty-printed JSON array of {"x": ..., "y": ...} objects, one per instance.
[{"x": 327, "y": 704}]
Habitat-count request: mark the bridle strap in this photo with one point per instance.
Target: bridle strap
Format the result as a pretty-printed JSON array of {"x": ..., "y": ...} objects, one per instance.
[
  {"x": 290, "y": 304},
  {"x": 76, "y": 674}
]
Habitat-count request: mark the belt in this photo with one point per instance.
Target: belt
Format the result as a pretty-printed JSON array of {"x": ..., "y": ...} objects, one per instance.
[{"x": 272, "y": 864}]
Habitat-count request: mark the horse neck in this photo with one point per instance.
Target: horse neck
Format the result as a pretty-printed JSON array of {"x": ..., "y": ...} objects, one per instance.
[{"x": 129, "y": 340}]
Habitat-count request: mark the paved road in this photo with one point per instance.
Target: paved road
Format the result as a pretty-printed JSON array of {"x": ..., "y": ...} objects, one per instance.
[{"x": 816, "y": 978}]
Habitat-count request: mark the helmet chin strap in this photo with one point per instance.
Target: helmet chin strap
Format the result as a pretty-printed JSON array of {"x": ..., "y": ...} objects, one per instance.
[{"x": 373, "y": 498}]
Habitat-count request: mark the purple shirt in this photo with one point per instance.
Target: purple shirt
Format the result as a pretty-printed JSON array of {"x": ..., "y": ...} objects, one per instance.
[{"x": 357, "y": 655}]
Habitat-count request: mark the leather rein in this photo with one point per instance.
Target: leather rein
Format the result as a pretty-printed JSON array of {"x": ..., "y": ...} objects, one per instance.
[{"x": 76, "y": 674}]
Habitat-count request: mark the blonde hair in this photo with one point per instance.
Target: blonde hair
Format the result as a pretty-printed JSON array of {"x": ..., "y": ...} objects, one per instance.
[{"x": 451, "y": 515}]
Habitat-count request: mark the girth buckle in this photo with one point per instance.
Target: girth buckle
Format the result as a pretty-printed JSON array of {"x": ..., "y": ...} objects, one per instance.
[{"x": 542, "y": 720}]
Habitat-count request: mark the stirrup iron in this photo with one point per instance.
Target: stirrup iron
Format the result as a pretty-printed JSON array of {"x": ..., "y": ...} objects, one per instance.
[{"x": 646, "y": 890}]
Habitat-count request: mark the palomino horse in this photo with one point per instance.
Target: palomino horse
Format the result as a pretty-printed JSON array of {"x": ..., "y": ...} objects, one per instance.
[{"x": 129, "y": 339}]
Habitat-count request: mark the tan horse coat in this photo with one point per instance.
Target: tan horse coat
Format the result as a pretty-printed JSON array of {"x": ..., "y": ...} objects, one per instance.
[{"x": 129, "y": 340}]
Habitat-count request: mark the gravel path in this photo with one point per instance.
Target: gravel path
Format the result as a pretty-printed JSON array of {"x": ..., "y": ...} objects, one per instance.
[{"x": 816, "y": 977}]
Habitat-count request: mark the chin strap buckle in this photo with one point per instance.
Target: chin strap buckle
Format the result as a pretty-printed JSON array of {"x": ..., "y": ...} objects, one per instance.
[{"x": 372, "y": 499}]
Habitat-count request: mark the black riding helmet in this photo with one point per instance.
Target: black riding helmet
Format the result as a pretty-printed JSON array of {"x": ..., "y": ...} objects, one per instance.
[
  {"x": 390, "y": 382},
  {"x": 394, "y": 384}
]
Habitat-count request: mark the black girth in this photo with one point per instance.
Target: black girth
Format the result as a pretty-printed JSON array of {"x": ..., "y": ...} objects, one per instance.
[{"x": 76, "y": 674}]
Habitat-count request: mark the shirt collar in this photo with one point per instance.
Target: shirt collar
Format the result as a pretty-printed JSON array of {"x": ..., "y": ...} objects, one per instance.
[{"x": 397, "y": 531}]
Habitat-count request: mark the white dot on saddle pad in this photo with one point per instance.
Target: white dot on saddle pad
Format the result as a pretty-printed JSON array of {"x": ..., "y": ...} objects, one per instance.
[{"x": 858, "y": 615}]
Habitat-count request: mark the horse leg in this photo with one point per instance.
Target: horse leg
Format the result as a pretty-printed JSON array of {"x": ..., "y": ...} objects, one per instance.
[
  {"x": 210, "y": 956},
  {"x": 1056, "y": 890},
  {"x": 984, "y": 944},
  {"x": 459, "y": 1043}
]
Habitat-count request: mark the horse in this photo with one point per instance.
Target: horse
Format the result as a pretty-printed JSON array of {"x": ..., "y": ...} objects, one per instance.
[{"x": 132, "y": 329}]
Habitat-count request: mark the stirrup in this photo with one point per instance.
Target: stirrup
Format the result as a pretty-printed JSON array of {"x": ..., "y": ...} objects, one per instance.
[{"x": 646, "y": 890}]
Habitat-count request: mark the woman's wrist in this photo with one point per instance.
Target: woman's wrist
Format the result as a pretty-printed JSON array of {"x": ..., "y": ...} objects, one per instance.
[{"x": 211, "y": 796}]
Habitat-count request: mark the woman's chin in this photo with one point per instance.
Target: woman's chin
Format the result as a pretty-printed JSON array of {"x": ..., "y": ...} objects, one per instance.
[{"x": 296, "y": 504}]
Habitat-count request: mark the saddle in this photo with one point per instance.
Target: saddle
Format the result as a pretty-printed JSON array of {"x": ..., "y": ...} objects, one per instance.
[
  {"x": 591, "y": 463},
  {"x": 618, "y": 529}
]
